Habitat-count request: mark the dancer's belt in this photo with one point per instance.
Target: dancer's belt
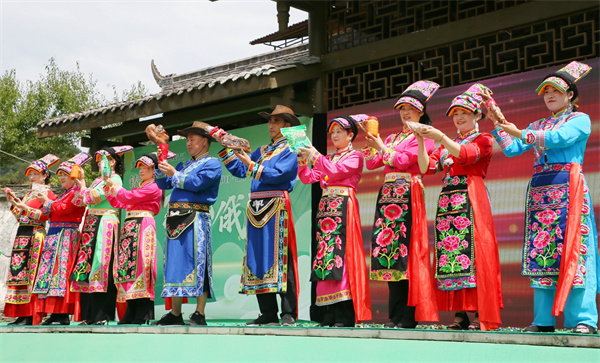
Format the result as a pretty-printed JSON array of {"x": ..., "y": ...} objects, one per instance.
[
  {"x": 102, "y": 212},
  {"x": 63, "y": 225},
  {"x": 267, "y": 194},
  {"x": 393, "y": 177},
  {"x": 138, "y": 214},
  {"x": 333, "y": 191},
  {"x": 189, "y": 205}
]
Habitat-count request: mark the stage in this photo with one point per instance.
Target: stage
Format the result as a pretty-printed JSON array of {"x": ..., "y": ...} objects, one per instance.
[{"x": 230, "y": 340}]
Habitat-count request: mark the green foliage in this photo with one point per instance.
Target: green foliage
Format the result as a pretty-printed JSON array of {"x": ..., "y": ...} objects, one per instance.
[{"x": 23, "y": 104}]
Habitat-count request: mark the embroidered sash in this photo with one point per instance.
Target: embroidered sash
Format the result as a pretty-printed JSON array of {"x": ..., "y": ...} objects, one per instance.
[
  {"x": 127, "y": 251},
  {"x": 454, "y": 235},
  {"x": 18, "y": 273},
  {"x": 87, "y": 246},
  {"x": 391, "y": 230},
  {"x": 331, "y": 237},
  {"x": 178, "y": 220},
  {"x": 545, "y": 220}
]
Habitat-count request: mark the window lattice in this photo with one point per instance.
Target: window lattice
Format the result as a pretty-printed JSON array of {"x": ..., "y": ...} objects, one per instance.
[
  {"x": 540, "y": 45},
  {"x": 354, "y": 23}
]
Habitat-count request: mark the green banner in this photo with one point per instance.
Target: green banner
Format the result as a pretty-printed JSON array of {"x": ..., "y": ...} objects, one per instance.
[{"x": 229, "y": 231}]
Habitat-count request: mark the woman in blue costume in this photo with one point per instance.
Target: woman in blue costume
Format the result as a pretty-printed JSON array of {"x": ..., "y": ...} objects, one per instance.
[
  {"x": 188, "y": 247},
  {"x": 560, "y": 252}
]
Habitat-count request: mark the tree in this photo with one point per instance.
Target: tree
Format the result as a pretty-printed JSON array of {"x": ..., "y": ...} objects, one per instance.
[{"x": 23, "y": 105}]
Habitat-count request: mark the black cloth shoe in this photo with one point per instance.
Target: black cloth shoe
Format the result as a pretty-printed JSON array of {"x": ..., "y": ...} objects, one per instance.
[
  {"x": 100, "y": 322},
  {"x": 407, "y": 325},
  {"x": 196, "y": 319},
  {"x": 23, "y": 320},
  {"x": 287, "y": 320},
  {"x": 269, "y": 320},
  {"x": 57, "y": 319},
  {"x": 582, "y": 328},
  {"x": 389, "y": 324},
  {"x": 539, "y": 329},
  {"x": 460, "y": 325},
  {"x": 170, "y": 319}
]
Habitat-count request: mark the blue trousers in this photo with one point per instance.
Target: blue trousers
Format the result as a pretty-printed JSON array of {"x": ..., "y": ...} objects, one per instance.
[{"x": 580, "y": 307}]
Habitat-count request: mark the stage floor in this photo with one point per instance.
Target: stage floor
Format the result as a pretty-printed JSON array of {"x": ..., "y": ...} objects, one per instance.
[{"x": 233, "y": 341}]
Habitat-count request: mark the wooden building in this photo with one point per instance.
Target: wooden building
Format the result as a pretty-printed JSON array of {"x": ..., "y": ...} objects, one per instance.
[{"x": 357, "y": 52}]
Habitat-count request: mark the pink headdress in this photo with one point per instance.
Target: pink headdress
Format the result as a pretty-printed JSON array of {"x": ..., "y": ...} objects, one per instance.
[
  {"x": 150, "y": 160},
  {"x": 118, "y": 150},
  {"x": 565, "y": 78},
  {"x": 417, "y": 94},
  {"x": 41, "y": 165},
  {"x": 470, "y": 100},
  {"x": 79, "y": 159}
]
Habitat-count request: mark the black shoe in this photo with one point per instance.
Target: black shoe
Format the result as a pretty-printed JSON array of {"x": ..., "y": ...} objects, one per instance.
[
  {"x": 582, "y": 328},
  {"x": 539, "y": 329},
  {"x": 170, "y": 319},
  {"x": 23, "y": 320},
  {"x": 287, "y": 320},
  {"x": 55, "y": 319},
  {"x": 269, "y": 320},
  {"x": 100, "y": 322},
  {"x": 85, "y": 322},
  {"x": 389, "y": 324},
  {"x": 460, "y": 325},
  {"x": 196, "y": 319},
  {"x": 407, "y": 325}
]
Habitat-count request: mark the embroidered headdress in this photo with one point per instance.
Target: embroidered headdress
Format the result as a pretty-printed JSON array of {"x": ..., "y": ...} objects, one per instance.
[
  {"x": 565, "y": 78},
  {"x": 470, "y": 100},
  {"x": 347, "y": 122},
  {"x": 151, "y": 159},
  {"x": 112, "y": 151},
  {"x": 417, "y": 94},
  {"x": 67, "y": 166},
  {"x": 41, "y": 165}
]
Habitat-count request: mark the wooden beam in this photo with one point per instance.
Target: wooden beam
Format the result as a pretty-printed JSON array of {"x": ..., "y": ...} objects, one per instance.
[
  {"x": 212, "y": 114},
  {"x": 459, "y": 30},
  {"x": 230, "y": 90}
]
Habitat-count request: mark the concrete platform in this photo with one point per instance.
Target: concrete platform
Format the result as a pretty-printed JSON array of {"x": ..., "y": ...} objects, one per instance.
[{"x": 559, "y": 339}]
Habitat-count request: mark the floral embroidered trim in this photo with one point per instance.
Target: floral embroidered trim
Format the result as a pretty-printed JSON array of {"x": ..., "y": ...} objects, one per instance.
[
  {"x": 336, "y": 297},
  {"x": 302, "y": 162},
  {"x": 453, "y": 284},
  {"x": 102, "y": 212},
  {"x": 540, "y": 139},
  {"x": 528, "y": 137},
  {"x": 388, "y": 275},
  {"x": 47, "y": 207},
  {"x": 113, "y": 190},
  {"x": 369, "y": 153},
  {"x": 502, "y": 137},
  {"x": 313, "y": 157},
  {"x": 189, "y": 205},
  {"x": 388, "y": 156}
]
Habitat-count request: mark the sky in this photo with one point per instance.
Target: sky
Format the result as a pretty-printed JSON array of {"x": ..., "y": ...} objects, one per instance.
[{"x": 115, "y": 41}]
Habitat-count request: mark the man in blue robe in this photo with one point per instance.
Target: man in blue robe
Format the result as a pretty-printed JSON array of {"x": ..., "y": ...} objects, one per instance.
[
  {"x": 270, "y": 263},
  {"x": 188, "y": 249}
]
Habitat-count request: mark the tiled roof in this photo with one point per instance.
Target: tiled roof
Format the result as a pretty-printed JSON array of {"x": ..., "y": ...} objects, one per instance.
[
  {"x": 177, "y": 84},
  {"x": 298, "y": 30}
]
